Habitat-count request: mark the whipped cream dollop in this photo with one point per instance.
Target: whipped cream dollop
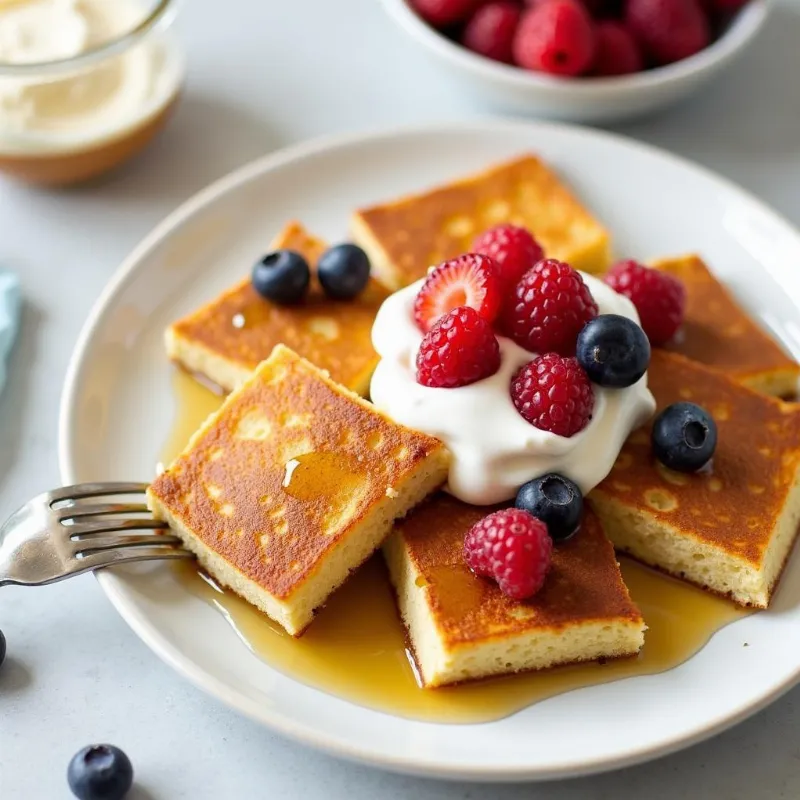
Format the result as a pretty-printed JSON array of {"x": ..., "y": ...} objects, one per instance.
[
  {"x": 494, "y": 449},
  {"x": 54, "y": 111}
]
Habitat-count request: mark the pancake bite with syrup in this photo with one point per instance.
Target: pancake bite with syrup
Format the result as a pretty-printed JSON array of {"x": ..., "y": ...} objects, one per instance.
[
  {"x": 293, "y": 484},
  {"x": 462, "y": 627}
]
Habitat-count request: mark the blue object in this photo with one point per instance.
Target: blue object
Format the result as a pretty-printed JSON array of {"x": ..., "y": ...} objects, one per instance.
[
  {"x": 613, "y": 350},
  {"x": 684, "y": 437},
  {"x": 556, "y": 501},
  {"x": 10, "y": 301},
  {"x": 282, "y": 277},
  {"x": 100, "y": 772},
  {"x": 343, "y": 271}
]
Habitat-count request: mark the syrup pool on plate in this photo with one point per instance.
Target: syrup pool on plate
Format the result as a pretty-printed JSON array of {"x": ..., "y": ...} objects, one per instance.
[{"x": 355, "y": 648}]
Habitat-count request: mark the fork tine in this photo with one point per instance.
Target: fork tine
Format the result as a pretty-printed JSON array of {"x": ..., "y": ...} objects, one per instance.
[
  {"x": 98, "y": 509},
  {"x": 89, "y": 529},
  {"x": 127, "y": 555},
  {"x": 98, "y": 543},
  {"x": 82, "y": 490}
]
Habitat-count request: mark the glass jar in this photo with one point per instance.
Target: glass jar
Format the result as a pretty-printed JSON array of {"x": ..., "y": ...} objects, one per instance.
[{"x": 84, "y": 84}]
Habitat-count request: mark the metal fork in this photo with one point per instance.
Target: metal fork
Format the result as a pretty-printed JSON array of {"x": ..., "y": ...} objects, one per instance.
[{"x": 57, "y": 535}]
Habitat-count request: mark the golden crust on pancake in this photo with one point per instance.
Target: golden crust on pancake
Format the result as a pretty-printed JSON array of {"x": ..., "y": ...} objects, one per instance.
[
  {"x": 730, "y": 527},
  {"x": 719, "y": 333},
  {"x": 406, "y": 236},
  {"x": 462, "y": 627},
  {"x": 291, "y": 485},
  {"x": 335, "y": 335}
]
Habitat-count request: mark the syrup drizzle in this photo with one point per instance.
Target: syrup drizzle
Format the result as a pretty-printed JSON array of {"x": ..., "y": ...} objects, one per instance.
[{"x": 355, "y": 648}]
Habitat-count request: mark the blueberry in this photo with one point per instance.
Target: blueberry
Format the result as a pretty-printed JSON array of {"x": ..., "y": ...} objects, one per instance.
[
  {"x": 684, "y": 437},
  {"x": 2, "y": 648},
  {"x": 282, "y": 276},
  {"x": 614, "y": 351},
  {"x": 556, "y": 501},
  {"x": 100, "y": 772},
  {"x": 343, "y": 271}
]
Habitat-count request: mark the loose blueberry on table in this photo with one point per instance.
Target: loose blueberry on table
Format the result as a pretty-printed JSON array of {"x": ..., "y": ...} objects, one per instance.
[
  {"x": 684, "y": 437},
  {"x": 100, "y": 772}
]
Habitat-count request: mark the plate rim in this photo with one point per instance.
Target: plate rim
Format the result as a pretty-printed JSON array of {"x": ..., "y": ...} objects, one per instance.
[{"x": 216, "y": 688}]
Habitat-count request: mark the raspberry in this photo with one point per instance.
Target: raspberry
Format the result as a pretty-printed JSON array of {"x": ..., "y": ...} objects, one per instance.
[
  {"x": 441, "y": 13},
  {"x": 554, "y": 394},
  {"x": 469, "y": 280},
  {"x": 555, "y": 36},
  {"x": 548, "y": 308},
  {"x": 617, "y": 50},
  {"x": 512, "y": 249},
  {"x": 460, "y": 349},
  {"x": 513, "y": 547},
  {"x": 668, "y": 30},
  {"x": 660, "y": 298},
  {"x": 491, "y": 31}
]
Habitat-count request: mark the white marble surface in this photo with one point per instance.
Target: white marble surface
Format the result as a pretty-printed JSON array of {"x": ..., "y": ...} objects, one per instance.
[{"x": 262, "y": 75}]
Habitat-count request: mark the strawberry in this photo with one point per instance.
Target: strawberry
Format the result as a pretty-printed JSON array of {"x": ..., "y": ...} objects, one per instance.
[{"x": 471, "y": 280}]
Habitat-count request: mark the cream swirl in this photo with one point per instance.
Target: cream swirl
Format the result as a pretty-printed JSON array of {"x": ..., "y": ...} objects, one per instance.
[
  {"x": 60, "y": 111},
  {"x": 494, "y": 449}
]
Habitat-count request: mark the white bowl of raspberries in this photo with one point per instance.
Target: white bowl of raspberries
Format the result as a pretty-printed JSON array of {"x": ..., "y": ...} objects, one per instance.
[{"x": 582, "y": 60}]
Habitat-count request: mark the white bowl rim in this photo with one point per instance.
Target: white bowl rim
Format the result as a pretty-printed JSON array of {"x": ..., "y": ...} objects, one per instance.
[{"x": 742, "y": 30}]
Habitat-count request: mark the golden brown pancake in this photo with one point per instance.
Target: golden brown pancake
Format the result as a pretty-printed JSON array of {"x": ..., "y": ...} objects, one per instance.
[
  {"x": 730, "y": 527},
  {"x": 333, "y": 334},
  {"x": 719, "y": 333},
  {"x": 292, "y": 484},
  {"x": 405, "y": 237},
  {"x": 462, "y": 627}
]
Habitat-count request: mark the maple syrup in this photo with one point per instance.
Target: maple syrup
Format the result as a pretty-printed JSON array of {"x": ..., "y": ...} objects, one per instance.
[
  {"x": 356, "y": 649},
  {"x": 312, "y": 476}
]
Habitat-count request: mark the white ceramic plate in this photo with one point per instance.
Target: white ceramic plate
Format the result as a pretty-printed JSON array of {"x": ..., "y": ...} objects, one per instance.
[{"x": 117, "y": 410}]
